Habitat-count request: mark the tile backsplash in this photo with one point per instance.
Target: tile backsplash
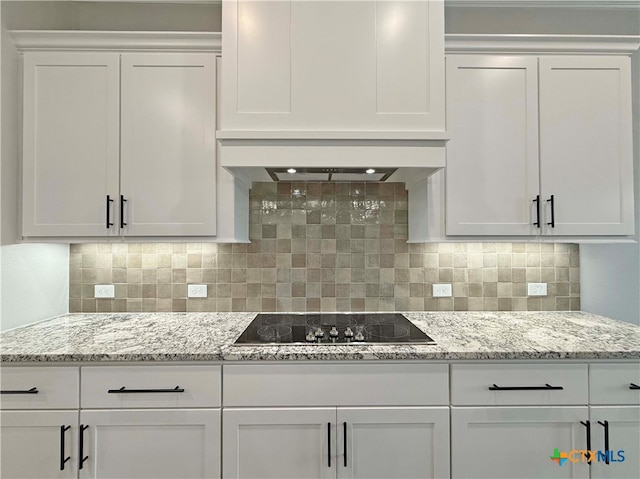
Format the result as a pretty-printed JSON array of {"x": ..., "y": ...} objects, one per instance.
[{"x": 325, "y": 247}]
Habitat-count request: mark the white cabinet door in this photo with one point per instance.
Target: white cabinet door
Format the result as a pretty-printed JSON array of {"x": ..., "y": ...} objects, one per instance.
[
  {"x": 389, "y": 443},
  {"x": 333, "y": 65},
  {"x": 70, "y": 143},
  {"x": 168, "y": 164},
  {"x": 517, "y": 442},
  {"x": 279, "y": 443},
  {"x": 34, "y": 444},
  {"x": 492, "y": 157},
  {"x": 586, "y": 144},
  {"x": 171, "y": 443},
  {"x": 623, "y": 424}
]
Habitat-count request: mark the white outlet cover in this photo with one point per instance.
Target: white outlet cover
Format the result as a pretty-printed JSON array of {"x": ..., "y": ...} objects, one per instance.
[
  {"x": 536, "y": 289},
  {"x": 104, "y": 291},
  {"x": 196, "y": 291},
  {"x": 442, "y": 290}
]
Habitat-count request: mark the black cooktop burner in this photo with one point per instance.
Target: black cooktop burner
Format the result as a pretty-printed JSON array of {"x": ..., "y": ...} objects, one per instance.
[{"x": 335, "y": 328}]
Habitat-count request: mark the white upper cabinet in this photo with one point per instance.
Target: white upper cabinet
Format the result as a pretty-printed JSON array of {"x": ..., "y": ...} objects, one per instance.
[
  {"x": 586, "y": 145},
  {"x": 71, "y": 143},
  {"x": 492, "y": 158},
  {"x": 333, "y": 66},
  {"x": 168, "y": 165},
  {"x": 540, "y": 146},
  {"x": 119, "y": 144}
]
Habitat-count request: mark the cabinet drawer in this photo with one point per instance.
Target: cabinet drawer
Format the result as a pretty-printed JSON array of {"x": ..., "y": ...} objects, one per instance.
[
  {"x": 39, "y": 388},
  {"x": 336, "y": 384},
  {"x": 470, "y": 384},
  {"x": 613, "y": 383},
  {"x": 150, "y": 386}
]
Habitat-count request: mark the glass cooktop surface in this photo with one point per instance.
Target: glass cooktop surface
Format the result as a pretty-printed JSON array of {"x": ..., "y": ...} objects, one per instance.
[{"x": 334, "y": 328}]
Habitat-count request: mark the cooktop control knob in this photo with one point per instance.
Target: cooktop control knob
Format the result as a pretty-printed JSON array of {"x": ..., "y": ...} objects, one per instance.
[
  {"x": 334, "y": 332},
  {"x": 359, "y": 336},
  {"x": 311, "y": 338},
  {"x": 319, "y": 333},
  {"x": 348, "y": 333}
]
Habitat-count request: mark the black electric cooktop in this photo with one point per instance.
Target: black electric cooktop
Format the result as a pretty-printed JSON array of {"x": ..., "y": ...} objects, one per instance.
[{"x": 334, "y": 328}]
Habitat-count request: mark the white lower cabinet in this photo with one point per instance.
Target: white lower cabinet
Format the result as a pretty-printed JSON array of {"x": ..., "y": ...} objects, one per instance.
[
  {"x": 615, "y": 429},
  {"x": 516, "y": 442},
  {"x": 336, "y": 420},
  {"x": 150, "y": 444},
  {"x": 336, "y": 442},
  {"x": 36, "y": 444}
]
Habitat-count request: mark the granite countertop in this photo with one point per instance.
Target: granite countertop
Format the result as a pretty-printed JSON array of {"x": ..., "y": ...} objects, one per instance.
[{"x": 112, "y": 337}]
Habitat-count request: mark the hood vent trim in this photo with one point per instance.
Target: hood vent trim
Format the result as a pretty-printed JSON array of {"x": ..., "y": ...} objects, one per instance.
[{"x": 330, "y": 174}]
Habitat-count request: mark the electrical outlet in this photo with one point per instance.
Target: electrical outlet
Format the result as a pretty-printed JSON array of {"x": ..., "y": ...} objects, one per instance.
[
  {"x": 197, "y": 291},
  {"x": 442, "y": 291},
  {"x": 537, "y": 289},
  {"x": 104, "y": 291}
]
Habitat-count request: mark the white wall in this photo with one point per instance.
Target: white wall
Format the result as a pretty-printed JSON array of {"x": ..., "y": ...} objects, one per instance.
[{"x": 34, "y": 278}]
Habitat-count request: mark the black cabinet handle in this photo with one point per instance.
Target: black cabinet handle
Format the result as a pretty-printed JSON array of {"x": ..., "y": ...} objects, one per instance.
[
  {"x": 63, "y": 459},
  {"x": 109, "y": 201},
  {"x": 82, "y": 456},
  {"x": 633, "y": 386},
  {"x": 124, "y": 390},
  {"x": 537, "y": 202},
  {"x": 33, "y": 390},
  {"x": 605, "y": 424},
  {"x": 344, "y": 426},
  {"x": 546, "y": 387},
  {"x": 122, "y": 202},
  {"x": 329, "y": 444},
  {"x": 587, "y": 424},
  {"x": 552, "y": 223}
]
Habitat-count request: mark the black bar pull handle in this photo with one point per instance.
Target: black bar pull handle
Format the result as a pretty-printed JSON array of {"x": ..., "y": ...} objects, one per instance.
[
  {"x": 587, "y": 424},
  {"x": 633, "y": 386},
  {"x": 63, "y": 459},
  {"x": 122, "y": 202},
  {"x": 124, "y": 390},
  {"x": 109, "y": 201},
  {"x": 344, "y": 447},
  {"x": 83, "y": 458},
  {"x": 537, "y": 202},
  {"x": 33, "y": 390},
  {"x": 552, "y": 223},
  {"x": 329, "y": 444},
  {"x": 605, "y": 424},
  {"x": 546, "y": 387}
]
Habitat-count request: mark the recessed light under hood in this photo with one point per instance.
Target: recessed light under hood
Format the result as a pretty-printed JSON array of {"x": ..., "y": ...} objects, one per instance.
[{"x": 330, "y": 174}]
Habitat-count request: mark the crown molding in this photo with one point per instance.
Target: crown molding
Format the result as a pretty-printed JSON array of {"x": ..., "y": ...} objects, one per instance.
[
  {"x": 601, "y": 4},
  {"x": 122, "y": 41},
  {"x": 536, "y": 44}
]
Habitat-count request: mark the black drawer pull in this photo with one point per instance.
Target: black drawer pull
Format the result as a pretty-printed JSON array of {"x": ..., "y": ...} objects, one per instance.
[
  {"x": 63, "y": 457},
  {"x": 109, "y": 201},
  {"x": 124, "y": 390},
  {"x": 329, "y": 444},
  {"x": 83, "y": 458},
  {"x": 633, "y": 386},
  {"x": 587, "y": 424},
  {"x": 122, "y": 202},
  {"x": 605, "y": 425},
  {"x": 344, "y": 425},
  {"x": 33, "y": 390},
  {"x": 546, "y": 387},
  {"x": 537, "y": 202},
  {"x": 552, "y": 223}
]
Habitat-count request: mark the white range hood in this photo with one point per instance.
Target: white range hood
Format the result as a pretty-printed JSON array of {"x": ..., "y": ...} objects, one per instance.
[{"x": 332, "y": 84}]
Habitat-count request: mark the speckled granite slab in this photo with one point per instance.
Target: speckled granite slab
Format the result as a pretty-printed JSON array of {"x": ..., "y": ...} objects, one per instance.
[{"x": 210, "y": 337}]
